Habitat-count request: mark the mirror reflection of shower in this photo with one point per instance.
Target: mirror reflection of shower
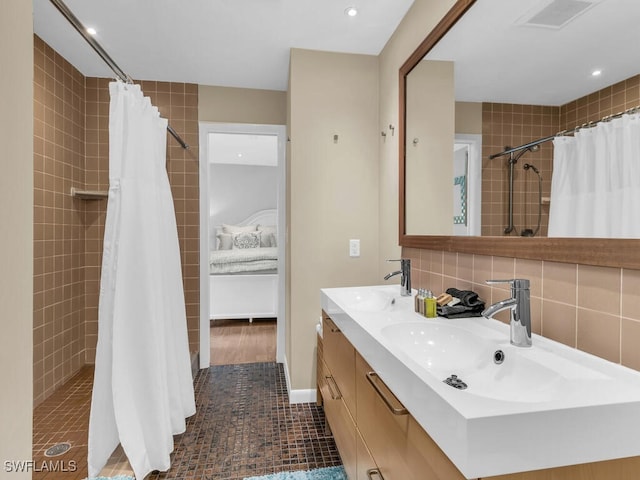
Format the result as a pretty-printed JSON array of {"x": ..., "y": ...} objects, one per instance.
[
  {"x": 513, "y": 160},
  {"x": 528, "y": 232}
]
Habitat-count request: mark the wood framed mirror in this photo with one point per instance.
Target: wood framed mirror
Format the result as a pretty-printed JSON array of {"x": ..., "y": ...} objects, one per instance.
[{"x": 603, "y": 252}]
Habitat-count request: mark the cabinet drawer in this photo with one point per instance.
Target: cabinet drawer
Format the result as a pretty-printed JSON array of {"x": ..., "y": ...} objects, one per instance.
[
  {"x": 383, "y": 432},
  {"x": 339, "y": 355},
  {"x": 366, "y": 465},
  {"x": 342, "y": 424}
]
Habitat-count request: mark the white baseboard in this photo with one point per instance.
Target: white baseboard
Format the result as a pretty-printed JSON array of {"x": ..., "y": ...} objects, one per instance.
[
  {"x": 302, "y": 396},
  {"x": 299, "y": 395}
]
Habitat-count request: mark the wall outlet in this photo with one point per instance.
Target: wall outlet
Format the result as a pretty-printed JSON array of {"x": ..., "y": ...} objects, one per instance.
[{"x": 354, "y": 247}]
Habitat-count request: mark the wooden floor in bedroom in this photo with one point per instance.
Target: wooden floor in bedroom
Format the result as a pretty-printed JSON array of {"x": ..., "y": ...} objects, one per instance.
[{"x": 238, "y": 341}]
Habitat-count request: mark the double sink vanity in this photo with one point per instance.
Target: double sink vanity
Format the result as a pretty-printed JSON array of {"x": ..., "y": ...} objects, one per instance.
[{"x": 411, "y": 397}]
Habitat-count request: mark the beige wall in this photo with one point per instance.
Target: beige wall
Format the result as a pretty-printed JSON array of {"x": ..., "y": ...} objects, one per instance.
[
  {"x": 16, "y": 218},
  {"x": 333, "y": 189},
  {"x": 242, "y": 105},
  {"x": 469, "y": 118},
  {"x": 417, "y": 23},
  {"x": 429, "y": 153}
]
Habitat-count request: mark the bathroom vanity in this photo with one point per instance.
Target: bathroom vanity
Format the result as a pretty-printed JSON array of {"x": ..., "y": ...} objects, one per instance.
[{"x": 545, "y": 412}]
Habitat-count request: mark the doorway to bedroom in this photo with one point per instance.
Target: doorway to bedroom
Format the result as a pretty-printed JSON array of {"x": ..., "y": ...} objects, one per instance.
[{"x": 242, "y": 240}]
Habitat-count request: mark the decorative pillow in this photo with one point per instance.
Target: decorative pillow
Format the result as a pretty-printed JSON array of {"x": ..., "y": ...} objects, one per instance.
[
  {"x": 268, "y": 238},
  {"x": 225, "y": 241},
  {"x": 238, "y": 228},
  {"x": 246, "y": 240}
]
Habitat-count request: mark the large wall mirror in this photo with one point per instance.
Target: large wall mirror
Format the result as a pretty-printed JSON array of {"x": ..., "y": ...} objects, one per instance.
[{"x": 498, "y": 74}]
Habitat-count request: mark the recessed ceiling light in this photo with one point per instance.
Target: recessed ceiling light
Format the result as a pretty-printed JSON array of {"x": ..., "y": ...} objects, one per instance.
[
  {"x": 91, "y": 31},
  {"x": 351, "y": 11},
  {"x": 596, "y": 73}
]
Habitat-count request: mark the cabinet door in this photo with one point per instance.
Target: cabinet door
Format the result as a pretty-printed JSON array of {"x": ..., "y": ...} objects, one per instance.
[
  {"x": 425, "y": 455},
  {"x": 342, "y": 424},
  {"x": 319, "y": 369},
  {"x": 339, "y": 355},
  {"x": 366, "y": 466},
  {"x": 383, "y": 432}
]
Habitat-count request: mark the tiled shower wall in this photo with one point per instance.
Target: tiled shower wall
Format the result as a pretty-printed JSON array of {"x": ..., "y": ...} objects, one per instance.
[
  {"x": 178, "y": 102},
  {"x": 71, "y": 150},
  {"x": 594, "y": 309},
  {"x": 514, "y": 125},
  {"x": 59, "y": 234}
]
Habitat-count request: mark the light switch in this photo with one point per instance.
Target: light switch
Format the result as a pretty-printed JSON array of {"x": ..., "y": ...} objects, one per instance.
[{"x": 354, "y": 247}]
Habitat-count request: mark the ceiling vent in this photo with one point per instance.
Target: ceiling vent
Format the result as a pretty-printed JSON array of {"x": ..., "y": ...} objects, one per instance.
[{"x": 556, "y": 14}]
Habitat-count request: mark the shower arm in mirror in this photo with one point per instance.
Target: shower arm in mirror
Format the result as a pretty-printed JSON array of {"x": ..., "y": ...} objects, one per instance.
[{"x": 604, "y": 252}]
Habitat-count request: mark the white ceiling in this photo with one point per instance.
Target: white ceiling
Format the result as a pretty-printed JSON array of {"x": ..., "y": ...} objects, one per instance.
[
  {"x": 498, "y": 59},
  {"x": 237, "y": 43}
]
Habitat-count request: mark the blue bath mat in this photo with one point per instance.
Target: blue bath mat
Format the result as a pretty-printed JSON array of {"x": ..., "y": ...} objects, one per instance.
[
  {"x": 119, "y": 477},
  {"x": 328, "y": 473}
]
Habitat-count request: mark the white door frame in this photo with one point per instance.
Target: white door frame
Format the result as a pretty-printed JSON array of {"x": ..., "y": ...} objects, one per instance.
[
  {"x": 280, "y": 131},
  {"x": 474, "y": 180}
]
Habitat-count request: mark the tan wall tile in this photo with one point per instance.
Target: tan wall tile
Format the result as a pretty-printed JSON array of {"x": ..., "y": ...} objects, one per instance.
[
  {"x": 630, "y": 348},
  {"x": 599, "y": 288},
  {"x": 599, "y": 333},
  {"x": 559, "y": 322},
  {"x": 631, "y": 294},
  {"x": 560, "y": 282}
]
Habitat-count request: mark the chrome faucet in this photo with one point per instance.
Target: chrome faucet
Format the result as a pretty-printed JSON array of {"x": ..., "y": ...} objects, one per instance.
[
  {"x": 520, "y": 310},
  {"x": 405, "y": 276}
]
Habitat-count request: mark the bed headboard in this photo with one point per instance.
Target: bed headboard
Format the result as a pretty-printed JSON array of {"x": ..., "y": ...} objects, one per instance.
[{"x": 261, "y": 217}]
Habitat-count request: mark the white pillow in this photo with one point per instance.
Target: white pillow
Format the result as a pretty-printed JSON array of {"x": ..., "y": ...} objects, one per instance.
[
  {"x": 245, "y": 240},
  {"x": 269, "y": 235},
  {"x": 238, "y": 228},
  {"x": 225, "y": 241}
]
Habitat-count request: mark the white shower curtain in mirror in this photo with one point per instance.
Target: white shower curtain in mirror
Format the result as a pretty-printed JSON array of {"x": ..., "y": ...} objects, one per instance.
[
  {"x": 143, "y": 389},
  {"x": 595, "y": 187}
]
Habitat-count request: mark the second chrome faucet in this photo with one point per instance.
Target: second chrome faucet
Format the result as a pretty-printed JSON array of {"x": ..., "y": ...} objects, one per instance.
[
  {"x": 519, "y": 304},
  {"x": 405, "y": 276}
]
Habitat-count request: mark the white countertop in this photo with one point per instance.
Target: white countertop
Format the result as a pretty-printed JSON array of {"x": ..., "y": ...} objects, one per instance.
[{"x": 547, "y": 406}]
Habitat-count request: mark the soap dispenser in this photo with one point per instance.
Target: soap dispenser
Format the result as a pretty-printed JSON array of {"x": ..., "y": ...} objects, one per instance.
[
  {"x": 430, "y": 305},
  {"x": 420, "y": 301}
]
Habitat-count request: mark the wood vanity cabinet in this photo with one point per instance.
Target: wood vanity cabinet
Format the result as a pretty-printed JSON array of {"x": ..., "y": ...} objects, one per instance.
[
  {"x": 379, "y": 440},
  {"x": 374, "y": 442}
]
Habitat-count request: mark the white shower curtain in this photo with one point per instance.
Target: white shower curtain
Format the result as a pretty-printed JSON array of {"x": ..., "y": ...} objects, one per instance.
[
  {"x": 142, "y": 390},
  {"x": 595, "y": 187}
]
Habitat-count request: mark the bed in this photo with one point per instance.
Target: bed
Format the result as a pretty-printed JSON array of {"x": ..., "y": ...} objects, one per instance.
[{"x": 243, "y": 268}]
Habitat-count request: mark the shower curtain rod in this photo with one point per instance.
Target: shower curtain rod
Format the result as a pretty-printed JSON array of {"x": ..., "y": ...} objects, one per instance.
[
  {"x": 570, "y": 131},
  {"x": 77, "y": 24}
]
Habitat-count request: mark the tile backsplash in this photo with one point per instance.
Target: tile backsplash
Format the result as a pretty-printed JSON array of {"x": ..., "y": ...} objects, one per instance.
[{"x": 594, "y": 309}]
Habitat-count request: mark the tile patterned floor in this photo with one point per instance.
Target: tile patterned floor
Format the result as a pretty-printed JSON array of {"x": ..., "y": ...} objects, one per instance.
[
  {"x": 63, "y": 417},
  {"x": 244, "y": 426}
]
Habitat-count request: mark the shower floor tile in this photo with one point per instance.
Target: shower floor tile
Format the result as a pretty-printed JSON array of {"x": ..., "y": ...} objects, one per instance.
[{"x": 244, "y": 426}]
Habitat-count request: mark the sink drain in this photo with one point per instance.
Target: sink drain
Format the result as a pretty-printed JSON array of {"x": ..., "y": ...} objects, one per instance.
[
  {"x": 455, "y": 382},
  {"x": 57, "y": 449}
]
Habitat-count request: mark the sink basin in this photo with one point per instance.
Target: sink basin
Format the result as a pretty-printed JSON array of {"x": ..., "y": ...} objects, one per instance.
[
  {"x": 446, "y": 350},
  {"x": 441, "y": 349},
  {"x": 369, "y": 299}
]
